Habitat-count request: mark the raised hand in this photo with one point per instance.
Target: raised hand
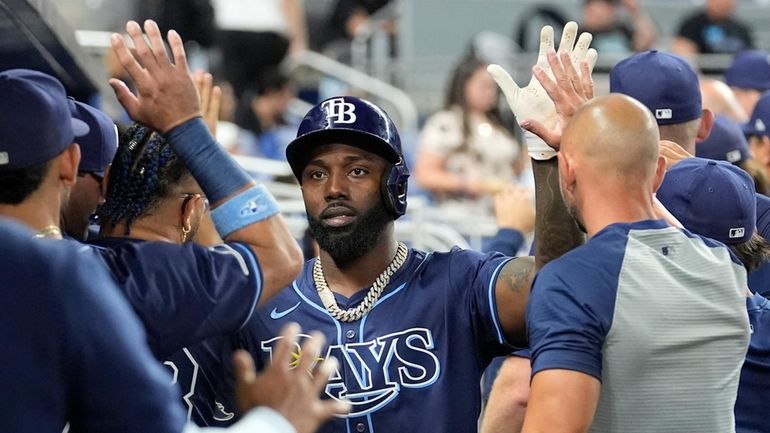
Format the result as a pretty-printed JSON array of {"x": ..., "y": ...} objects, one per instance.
[
  {"x": 165, "y": 93},
  {"x": 566, "y": 88},
  {"x": 292, "y": 392},
  {"x": 672, "y": 152},
  {"x": 210, "y": 99},
  {"x": 532, "y": 103}
]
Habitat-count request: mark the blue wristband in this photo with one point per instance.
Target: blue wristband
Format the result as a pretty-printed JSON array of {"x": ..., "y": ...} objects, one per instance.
[
  {"x": 216, "y": 172},
  {"x": 251, "y": 206}
]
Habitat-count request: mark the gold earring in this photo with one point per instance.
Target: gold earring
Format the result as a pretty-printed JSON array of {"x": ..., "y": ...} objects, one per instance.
[{"x": 185, "y": 232}]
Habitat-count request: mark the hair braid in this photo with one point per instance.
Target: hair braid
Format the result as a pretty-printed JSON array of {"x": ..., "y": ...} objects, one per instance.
[{"x": 144, "y": 171}]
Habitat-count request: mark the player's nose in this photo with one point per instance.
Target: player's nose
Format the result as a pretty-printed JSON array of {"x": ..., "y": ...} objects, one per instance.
[{"x": 336, "y": 186}]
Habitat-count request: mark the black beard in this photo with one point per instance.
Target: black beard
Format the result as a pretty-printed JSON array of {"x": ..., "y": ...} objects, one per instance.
[{"x": 347, "y": 244}]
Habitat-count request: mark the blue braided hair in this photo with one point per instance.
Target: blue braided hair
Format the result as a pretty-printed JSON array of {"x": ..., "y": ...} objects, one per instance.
[{"x": 144, "y": 171}]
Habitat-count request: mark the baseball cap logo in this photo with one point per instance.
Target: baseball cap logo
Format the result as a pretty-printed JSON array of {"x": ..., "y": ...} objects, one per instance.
[
  {"x": 339, "y": 111},
  {"x": 759, "y": 125},
  {"x": 733, "y": 155},
  {"x": 737, "y": 232},
  {"x": 664, "y": 113}
]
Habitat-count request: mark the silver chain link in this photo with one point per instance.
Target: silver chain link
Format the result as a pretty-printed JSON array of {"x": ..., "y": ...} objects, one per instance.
[{"x": 354, "y": 314}]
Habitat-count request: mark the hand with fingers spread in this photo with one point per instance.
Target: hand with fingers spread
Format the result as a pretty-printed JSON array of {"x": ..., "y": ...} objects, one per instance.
[
  {"x": 291, "y": 391},
  {"x": 165, "y": 92},
  {"x": 532, "y": 103},
  {"x": 672, "y": 152},
  {"x": 567, "y": 89},
  {"x": 210, "y": 99}
]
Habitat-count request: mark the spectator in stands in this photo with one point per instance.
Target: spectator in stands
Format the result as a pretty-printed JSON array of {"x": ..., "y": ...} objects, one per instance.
[
  {"x": 713, "y": 30},
  {"x": 347, "y": 19},
  {"x": 256, "y": 35},
  {"x": 614, "y": 33},
  {"x": 192, "y": 19},
  {"x": 261, "y": 115},
  {"x": 465, "y": 153},
  {"x": 749, "y": 77}
]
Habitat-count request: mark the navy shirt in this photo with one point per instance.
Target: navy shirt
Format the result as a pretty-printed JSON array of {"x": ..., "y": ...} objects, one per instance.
[
  {"x": 414, "y": 362},
  {"x": 184, "y": 294},
  {"x": 752, "y": 407},
  {"x": 426, "y": 342},
  {"x": 74, "y": 350}
]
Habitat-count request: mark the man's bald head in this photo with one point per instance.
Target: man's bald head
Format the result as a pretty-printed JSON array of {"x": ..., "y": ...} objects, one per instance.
[{"x": 613, "y": 135}]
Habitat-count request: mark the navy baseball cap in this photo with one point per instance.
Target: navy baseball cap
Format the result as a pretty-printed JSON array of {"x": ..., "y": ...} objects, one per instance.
[
  {"x": 725, "y": 143},
  {"x": 666, "y": 84},
  {"x": 711, "y": 198},
  {"x": 750, "y": 70},
  {"x": 35, "y": 120},
  {"x": 760, "y": 118},
  {"x": 98, "y": 147}
]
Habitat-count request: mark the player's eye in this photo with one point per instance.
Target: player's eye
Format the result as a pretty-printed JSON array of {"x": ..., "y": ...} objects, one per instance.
[
  {"x": 316, "y": 175},
  {"x": 358, "y": 171}
]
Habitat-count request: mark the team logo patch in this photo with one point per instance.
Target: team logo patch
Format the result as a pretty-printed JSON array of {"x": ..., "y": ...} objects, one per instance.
[
  {"x": 339, "y": 111},
  {"x": 733, "y": 155},
  {"x": 737, "y": 232},
  {"x": 664, "y": 113}
]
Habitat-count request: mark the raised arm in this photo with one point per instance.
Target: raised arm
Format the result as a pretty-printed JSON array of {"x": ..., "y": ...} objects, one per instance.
[
  {"x": 166, "y": 101},
  {"x": 542, "y": 108}
]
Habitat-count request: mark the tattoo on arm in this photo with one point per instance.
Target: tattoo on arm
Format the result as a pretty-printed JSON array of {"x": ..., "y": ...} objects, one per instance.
[
  {"x": 516, "y": 276},
  {"x": 556, "y": 232}
]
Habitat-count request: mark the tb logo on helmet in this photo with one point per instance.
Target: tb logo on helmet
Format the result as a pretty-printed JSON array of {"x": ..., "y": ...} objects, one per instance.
[{"x": 339, "y": 111}]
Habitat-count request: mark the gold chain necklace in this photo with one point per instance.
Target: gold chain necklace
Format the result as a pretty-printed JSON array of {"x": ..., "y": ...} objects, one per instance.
[
  {"x": 354, "y": 314},
  {"x": 51, "y": 231}
]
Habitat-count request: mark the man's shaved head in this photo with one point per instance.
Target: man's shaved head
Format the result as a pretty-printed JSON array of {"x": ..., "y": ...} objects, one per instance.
[
  {"x": 615, "y": 135},
  {"x": 609, "y": 151}
]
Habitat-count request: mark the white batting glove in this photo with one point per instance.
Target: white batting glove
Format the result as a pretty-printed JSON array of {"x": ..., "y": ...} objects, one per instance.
[{"x": 532, "y": 102}]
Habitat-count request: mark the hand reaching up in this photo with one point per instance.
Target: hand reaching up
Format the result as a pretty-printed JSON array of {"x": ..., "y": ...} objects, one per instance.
[
  {"x": 532, "y": 103},
  {"x": 165, "y": 92}
]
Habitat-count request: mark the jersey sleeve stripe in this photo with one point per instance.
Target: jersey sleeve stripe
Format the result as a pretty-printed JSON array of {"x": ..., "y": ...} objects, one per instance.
[
  {"x": 253, "y": 263},
  {"x": 493, "y": 303}
]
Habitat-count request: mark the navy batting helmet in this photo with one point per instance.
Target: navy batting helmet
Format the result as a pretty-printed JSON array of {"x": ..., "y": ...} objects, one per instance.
[{"x": 355, "y": 122}]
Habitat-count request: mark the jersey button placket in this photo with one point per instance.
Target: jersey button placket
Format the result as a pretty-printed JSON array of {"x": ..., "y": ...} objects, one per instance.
[
  {"x": 360, "y": 427},
  {"x": 350, "y": 334}
]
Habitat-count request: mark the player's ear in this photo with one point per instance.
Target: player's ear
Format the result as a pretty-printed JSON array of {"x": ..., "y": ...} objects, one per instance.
[
  {"x": 706, "y": 122},
  {"x": 68, "y": 162},
  {"x": 660, "y": 173}
]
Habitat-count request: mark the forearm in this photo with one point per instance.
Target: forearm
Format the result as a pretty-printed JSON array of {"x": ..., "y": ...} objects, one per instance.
[{"x": 556, "y": 232}]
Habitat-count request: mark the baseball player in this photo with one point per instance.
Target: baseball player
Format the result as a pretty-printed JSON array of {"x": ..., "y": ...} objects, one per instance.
[
  {"x": 716, "y": 199},
  {"x": 218, "y": 287},
  {"x": 97, "y": 148},
  {"x": 80, "y": 355},
  {"x": 609, "y": 346}
]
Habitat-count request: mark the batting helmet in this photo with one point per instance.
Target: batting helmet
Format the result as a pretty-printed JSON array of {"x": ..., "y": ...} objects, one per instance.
[{"x": 355, "y": 122}]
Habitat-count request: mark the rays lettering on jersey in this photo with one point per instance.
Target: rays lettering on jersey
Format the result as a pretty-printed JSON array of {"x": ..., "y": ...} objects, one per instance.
[{"x": 373, "y": 373}]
